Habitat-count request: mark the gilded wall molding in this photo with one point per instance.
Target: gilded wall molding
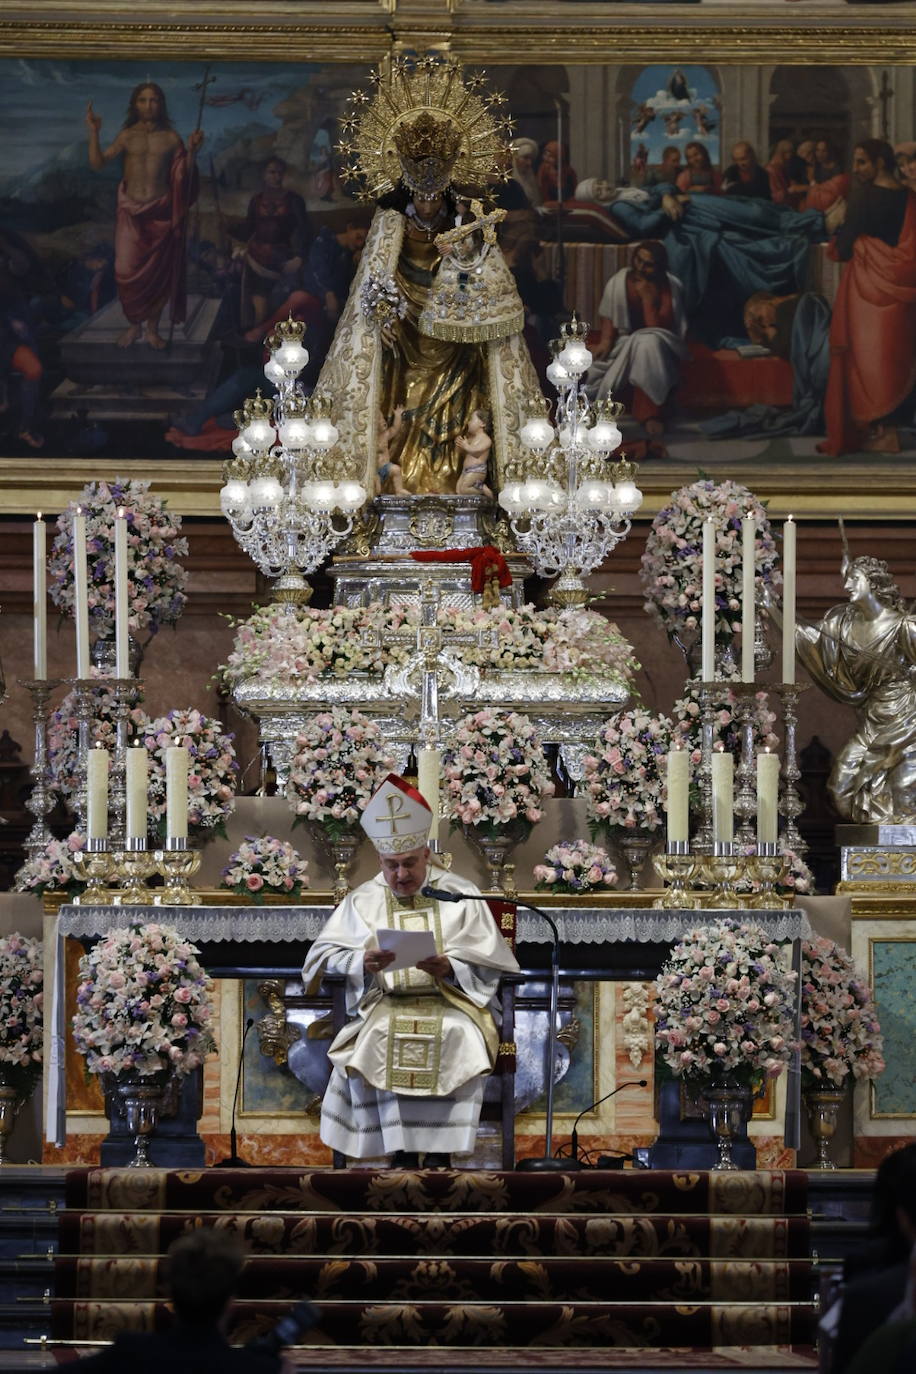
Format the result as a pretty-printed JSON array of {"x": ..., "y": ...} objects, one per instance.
[{"x": 541, "y": 39}]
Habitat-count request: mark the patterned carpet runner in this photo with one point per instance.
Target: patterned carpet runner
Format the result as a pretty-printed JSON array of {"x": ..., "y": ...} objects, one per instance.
[{"x": 499, "y": 1263}]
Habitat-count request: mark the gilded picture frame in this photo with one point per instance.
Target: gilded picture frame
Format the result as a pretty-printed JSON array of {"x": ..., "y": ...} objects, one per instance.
[{"x": 878, "y": 42}]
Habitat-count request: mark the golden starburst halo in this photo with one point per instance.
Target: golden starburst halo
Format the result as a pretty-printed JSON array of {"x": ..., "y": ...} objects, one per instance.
[{"x": 426, "y": 124}]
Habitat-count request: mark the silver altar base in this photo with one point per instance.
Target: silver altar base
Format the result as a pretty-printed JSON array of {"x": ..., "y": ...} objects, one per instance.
[
  {"x": 877, "y": 854},
  {"x": 374, "y": 563},
  {"x": 565, "y": 709}
]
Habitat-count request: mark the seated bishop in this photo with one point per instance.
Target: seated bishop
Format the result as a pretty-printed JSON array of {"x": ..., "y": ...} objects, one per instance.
[{"x": 408, "y": 1070}]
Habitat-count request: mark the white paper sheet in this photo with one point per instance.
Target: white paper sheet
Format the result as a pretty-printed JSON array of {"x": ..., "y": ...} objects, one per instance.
[{"x": 409, "y": 946}]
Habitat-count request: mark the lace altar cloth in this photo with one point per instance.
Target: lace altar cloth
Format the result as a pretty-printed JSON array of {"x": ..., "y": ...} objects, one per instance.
[{"x": 299, "y": 924}]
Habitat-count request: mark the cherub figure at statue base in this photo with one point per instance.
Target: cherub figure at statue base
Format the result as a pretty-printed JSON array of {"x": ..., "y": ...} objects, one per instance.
[
  {"x": 475, "y": 444},
  {"x": 388, "y": 474}
]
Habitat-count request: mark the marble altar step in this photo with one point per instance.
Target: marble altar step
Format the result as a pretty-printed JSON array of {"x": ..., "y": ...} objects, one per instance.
[
  {"x": 459, "y": 1234},
  {"x": 459, "y": 1323},
  {"x": 765, "y": 1192},
  {"x": 30, "y": 1198},
  {"x": 470, "y": 1278}
]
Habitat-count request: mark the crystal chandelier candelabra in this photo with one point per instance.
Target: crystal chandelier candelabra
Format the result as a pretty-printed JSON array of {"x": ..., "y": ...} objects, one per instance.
[
  {"x": 569, "y": 515},
  {"x": 285, "y": 508}
]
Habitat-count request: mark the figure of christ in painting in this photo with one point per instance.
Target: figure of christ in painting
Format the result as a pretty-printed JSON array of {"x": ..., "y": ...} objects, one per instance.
[
  {"x": 433, "y": 322},
  {"x": 872, "y": 354},
  {"x": 158, "y": 186},
  {"x": 638, "y": 355}
]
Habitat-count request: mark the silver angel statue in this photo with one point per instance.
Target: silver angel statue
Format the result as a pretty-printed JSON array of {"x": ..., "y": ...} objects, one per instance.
[{"x": 864, "y": 654}]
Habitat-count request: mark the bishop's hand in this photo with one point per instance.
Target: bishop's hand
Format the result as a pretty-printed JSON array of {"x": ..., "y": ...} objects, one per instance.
[
  {"x": 374, "y": 960},
  {"x": 437, "y": 966}
]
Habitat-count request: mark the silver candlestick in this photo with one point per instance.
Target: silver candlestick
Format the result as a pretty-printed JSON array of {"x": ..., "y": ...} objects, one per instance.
[
  {"x": 41, "y": 799},
  {"x": 84, "y": 687},
  {"x": 125, "y": 691},
  {"x": 745, "y": 804},
  {"x": 792, "y": 804},
  {"x": 702, "y": 843}
]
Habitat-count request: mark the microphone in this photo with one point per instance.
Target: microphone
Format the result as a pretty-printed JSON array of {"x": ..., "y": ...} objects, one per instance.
[
  {"x": 574, "y": 1134},
  {"x": 440, "y": 894},
  {"x": 232, "y": 1160}
]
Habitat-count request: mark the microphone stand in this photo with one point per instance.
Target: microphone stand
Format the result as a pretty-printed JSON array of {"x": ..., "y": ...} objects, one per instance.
[
  {"x": 233, "y": 1159},
  {"x": 547, "y": 1162},
  {"x": 575, "y": 1162}
]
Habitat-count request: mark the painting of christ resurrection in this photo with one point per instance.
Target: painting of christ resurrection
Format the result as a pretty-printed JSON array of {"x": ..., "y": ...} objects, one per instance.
[{"x": 740, "y": 240}]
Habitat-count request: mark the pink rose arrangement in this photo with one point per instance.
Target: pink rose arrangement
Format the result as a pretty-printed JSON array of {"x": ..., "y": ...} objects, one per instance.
[
  {"x": 495, "y": 773},
  {"x": 263, "y": 865},
  {"x": 340, "y": 760},
  {"x": 797, "y": 878},
  {"x": 575, "y": 866},
  {"x": 625, "y": 778},
  {"x": 840, "y": 1030},
  {"x": 51, "y": 869},
  {"x": 688, "y": 719},
  {"x": 21, "y": 1012},
  {"x": 524, "y": 639},
  {"x": 143, "y": 1003},
  {"x": 289, "y": 644},
  {"x": 212, "y": 767},
  {"x": 63, "y": 735},
  {"x": 155, "y": 576},
  {"x": 672, "y": 573},
  {"x": 724, "y": 1005}
]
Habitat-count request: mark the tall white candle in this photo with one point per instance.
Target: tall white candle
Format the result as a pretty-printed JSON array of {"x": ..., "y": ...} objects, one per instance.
[
  {"x": 767, "y": 797},
  {"x": 723, "y": 789},
  {"x": 789, "y": 531},
  {"x": 428, "y": 784},
  {"x": 748, "y": 546},
  {"x": 40, "y": 596},
  {"x": 136, "y": 784},
  {"x": 122, "y": 667},
  {"x": 97, "y": 793},
  {"x": 708, "y": 644},
  {"x": 81, "y": 593},
  {"x": 176, "y": 792},
  {"x": 678, "y": 796}
]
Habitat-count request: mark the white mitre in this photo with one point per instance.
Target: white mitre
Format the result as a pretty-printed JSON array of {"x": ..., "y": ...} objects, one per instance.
[{"x": 397, "y": 817}]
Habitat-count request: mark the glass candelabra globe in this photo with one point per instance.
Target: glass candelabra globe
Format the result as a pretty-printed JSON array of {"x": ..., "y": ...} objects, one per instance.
[
  {"x": 537, "y": 433},
  {"x": 287, "y": 516},
  {"x": 604, "y": 437},
  {"x": 574, "y": 358}
]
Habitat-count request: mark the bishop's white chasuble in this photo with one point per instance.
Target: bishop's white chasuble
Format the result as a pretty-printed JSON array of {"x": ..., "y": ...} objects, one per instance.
[{"x": 408, "y": 1072}]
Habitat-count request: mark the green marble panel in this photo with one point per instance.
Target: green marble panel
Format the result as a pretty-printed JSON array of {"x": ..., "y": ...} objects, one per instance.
[{"x": 894, "y": 978}]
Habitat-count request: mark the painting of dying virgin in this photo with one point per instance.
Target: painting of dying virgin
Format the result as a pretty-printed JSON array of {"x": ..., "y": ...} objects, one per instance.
[{"x": 741, "y": 241}]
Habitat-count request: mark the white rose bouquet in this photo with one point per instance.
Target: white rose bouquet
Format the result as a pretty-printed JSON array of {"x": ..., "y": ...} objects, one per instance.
[
  {"x": 672, "y": 564},
  {"x": 340, "y": 760},
  {"x": 52, "y": 867},
  {"x": 840, "y": 1030},
  {"x": 212, "y": 767},
  {"x": 263, "y": 865},
  {"x": 143, "y": 1003},
  {"x": 155, "y": 576},
  {"x": 495, "y": 772},
  {"x": 575, "y": 866},
  {"x": 724, "y": 1005},
  {"x": 625, "y": 779},
  {"x": 21, "y": 1013}
]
